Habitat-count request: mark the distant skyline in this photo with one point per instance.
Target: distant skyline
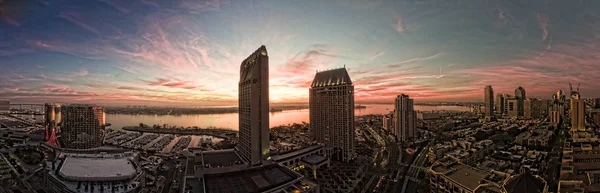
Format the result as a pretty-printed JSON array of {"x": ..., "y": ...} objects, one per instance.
[{"x": 183, "y": 52}]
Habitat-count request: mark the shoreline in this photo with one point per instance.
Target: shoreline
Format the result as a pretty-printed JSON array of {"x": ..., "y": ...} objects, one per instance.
[
  {"x": 225, "y": 134},
  {"x": 190, "y": 111}
]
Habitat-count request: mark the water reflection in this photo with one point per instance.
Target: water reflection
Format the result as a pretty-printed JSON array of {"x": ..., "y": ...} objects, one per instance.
[{"x": 230, "y": 120}]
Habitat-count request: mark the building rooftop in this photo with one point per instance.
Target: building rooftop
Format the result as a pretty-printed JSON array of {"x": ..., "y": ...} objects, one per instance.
[
  {"x": 461, "y": 174},
  {"x": 257, "y": 179},
  {"x": 331, "y": 78},
  {"x": 220, "y": 157},
  {"x": 525, "y": 183},
  {"x": 89, "y": 167},
  {"x": 281, "y": 157},
  {"x": 314, "y": 159},
  {"x": 96, "y": 172}
]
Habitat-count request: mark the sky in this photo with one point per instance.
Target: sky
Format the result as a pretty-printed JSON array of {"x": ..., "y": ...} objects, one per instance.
[{"x": 188, "y": 52}]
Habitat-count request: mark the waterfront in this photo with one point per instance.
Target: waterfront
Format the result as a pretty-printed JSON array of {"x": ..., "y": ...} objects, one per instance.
[{"x": 230, "y": 120}]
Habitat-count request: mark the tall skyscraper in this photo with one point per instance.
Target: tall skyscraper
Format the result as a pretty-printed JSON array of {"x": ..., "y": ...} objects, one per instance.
[
  {"x": 488, "y": 99},
  {"x": 331, "y": 103},
  {"x": 500, "y": 104},
  {"x": 253, "y": 102},
  {"x": 4, "y": 106},
  {"x": 82, "y": 126},
  {"x": 577, "y": 112},
  {"x": 405, "y": 118},
  {"x": 521, "y": 96}
]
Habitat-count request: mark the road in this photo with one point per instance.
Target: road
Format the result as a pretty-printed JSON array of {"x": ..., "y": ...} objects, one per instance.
[{"x": 414, "y": 169}]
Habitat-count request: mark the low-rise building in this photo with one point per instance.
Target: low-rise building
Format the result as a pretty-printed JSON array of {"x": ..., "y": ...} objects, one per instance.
[
  {"x": 535, "y": 138},
  {"x": 103, "y": 172}
]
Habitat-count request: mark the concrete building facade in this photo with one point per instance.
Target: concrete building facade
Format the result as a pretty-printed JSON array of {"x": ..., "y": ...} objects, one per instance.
[
  {"x": 331, "y": 104},
  {"x": 520, "y": 95},
  {"x": 253, "y": 102},
  {"x": 405, "y": 118},
  {"x": 500, "y": 104},
  {"x": 488, "y": 99}
]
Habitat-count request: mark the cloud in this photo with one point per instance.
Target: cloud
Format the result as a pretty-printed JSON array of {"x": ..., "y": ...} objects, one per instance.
[
  {"x": 543, "y": 24},
  {"x": 399, "y": 26},
  {"x": 77, "y": 20},
  {"x": 415, "y": 60},
  {"x": 172, "y": 83},
  {"x": 81, "y": 72}
]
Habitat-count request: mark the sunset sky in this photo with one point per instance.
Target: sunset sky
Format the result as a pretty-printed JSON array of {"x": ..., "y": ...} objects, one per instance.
[{"x": 188, "y": 52}]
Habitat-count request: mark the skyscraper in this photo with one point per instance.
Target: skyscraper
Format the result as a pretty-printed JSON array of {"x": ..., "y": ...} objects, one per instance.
[
  {"x": 331, "y": 103},
  {"x": 520, "y": 96},
  {"x": 577, "y": 112},
  {"x": 597, "y": 103},
  {"x": 500, "y": 104},
  {"x": 405, "y": 118},
  {"x": 82, "y": 126},
  {"x": 253, "y": 102},
  {"x": 488, "y": 99}
]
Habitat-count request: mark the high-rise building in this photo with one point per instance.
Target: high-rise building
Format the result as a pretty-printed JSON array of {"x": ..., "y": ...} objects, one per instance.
[
  {"x": 521, "y": 96},
  {"x": 597, "y": 103},
  {"x": 511, "y": 106},
  {"x": 253, "y": 102},
  {"x": 4, "y": 106},
  {"x": 534, "y": 108},
  {"x": 528, "y": 108},
  {"x": 545, "y": 108},
  {"x": 405, "y": 118},
  {"x": 331, "y": 103},
  {"x": 555, "y": 116},
  {"x": 82, "y": 126},
  {"x": 577, "y": 113},
  {"x": 488, "y": 99},
  {"x": 500, "y": 104},
  {"x": 387, "y": 121}
]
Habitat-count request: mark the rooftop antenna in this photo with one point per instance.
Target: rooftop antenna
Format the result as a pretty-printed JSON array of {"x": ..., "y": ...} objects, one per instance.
[
  {"x": 570, "y": 86},
  {"x": 578, "y": 84}
]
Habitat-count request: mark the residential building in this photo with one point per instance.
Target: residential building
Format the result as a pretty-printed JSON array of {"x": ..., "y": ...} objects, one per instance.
[
  {"x": 520, "y": 95},
  {"x": 488, "y": 100},
  {"x": 597, "y": 103},
  {"x": 511, "y": 106},
  {"x": 387, "y": 121},
  {"x": 500, "y": 104},
  {"x": 82, "y": 126},
  {"x": 577, "y": 114},
  {"x": 331, "y": 104},
  {"x": 535, "y": 108},
  {"x": 448, "y": 175},
  {"x": 405, "y": 118},
  {"x": 253, "y": 102},
  {"x": 535, "y": 138}
]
